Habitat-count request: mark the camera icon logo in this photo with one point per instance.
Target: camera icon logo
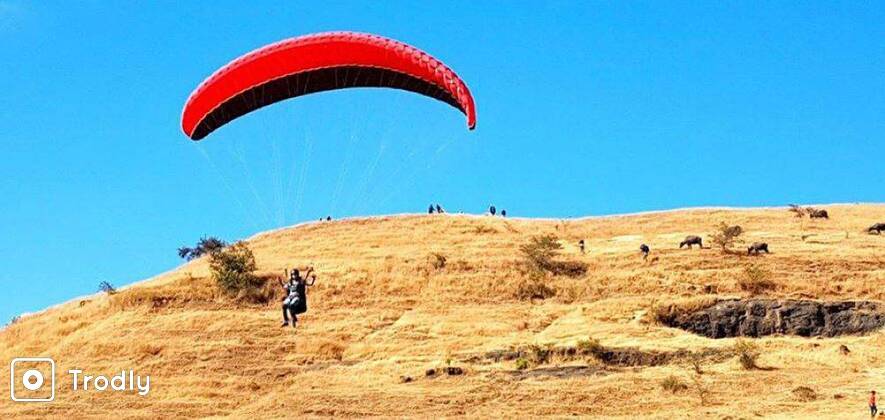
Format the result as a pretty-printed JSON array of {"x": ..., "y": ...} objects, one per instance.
[{"x": 32, "y": 379}]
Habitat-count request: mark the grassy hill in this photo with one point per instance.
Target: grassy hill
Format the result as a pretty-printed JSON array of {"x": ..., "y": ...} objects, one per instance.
[{"x": 386, "y": 309}]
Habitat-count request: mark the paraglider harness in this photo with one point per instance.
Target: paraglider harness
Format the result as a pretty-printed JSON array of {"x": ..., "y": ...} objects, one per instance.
[{"x": 296, "y": 293}]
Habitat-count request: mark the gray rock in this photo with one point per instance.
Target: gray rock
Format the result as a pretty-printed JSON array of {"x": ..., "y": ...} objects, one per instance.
[{"x": 761, "y": 317}]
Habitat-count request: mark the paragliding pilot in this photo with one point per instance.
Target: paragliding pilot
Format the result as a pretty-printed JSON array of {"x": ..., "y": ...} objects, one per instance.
[{"x": 295, "y": 302}]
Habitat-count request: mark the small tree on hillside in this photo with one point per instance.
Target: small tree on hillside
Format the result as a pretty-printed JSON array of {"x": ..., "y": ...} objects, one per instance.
[
  {"x": 540, "y": 252},
  {"x": 540, "y": 256},
  {"x": 233, "y": 268},
  {"x": 107, "y": 288},
  {"x": 725, "y": 235},
  {"x": 797, "y": 211},
  {"x": 204, "y": 246}
]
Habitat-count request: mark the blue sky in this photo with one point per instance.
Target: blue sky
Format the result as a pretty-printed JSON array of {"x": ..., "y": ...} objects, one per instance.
[{"x": 583, "y": 108}]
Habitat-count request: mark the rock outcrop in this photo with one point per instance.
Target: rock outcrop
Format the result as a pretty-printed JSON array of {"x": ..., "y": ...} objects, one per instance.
[{"x": 761, "y": 317}]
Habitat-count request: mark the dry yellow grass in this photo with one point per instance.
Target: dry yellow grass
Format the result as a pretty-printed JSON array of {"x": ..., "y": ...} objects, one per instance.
[{"x": 383, "y": 309}]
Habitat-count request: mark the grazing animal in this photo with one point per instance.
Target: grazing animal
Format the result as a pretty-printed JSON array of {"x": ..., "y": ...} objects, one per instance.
[
  {"x": 757, "y": 247},
  {"x": 692, "y": 240},
  {"x": 645, "y": 250},
  {"x": 818, "y": 214},
  {"x": 878, "y": 228}
]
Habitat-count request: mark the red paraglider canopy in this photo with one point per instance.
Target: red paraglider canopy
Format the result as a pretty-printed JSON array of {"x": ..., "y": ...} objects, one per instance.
[{"x": 316, "y": 63}]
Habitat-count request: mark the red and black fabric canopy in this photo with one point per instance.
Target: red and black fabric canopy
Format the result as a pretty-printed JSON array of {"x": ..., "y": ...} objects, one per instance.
[{"x": 317, "y": 63}]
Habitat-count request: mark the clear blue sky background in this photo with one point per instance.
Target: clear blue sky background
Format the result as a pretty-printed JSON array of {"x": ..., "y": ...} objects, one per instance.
[{"x": 584, "y": 108}]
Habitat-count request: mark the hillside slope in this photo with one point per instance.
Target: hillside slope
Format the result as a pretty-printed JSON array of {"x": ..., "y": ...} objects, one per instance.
[{"x": 382, "y": 313}]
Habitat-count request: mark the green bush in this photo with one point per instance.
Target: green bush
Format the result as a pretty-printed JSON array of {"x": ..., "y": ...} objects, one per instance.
[
  {"x": 233, "y": 268},
  {"x": 522, "y": 363}
]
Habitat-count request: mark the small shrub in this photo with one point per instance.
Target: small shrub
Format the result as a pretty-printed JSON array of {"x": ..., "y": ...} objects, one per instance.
[
  {"x": 540, "y": 354},
  {"x": 204, "y": 246},
  {"x": 106, "y": 287},
  {"x": 725, "y": 235},
  {"x": 747, "y": 352},
  {"x": 331, "y": 350},
  {"x": 148, "y": 349},
  {"x": 461, "y": 265},
  {"x": 701, "y": 390},
  {"x": 482, "y": 230},
  {"x": 590, "y": 346},
  {"x": 437, "y": 260},
  {"x": 810, "y": 211},
  {"x": 264, "y": 290},
  {"x": 534, "y": 287},
  {"x": 522, "y": 363},
  {"x": 756, "y": 281},
  {"x": 695, "y": 362},
  {"x": 539, "y": 255},
  {"x": 570, "y": 268},
  {"x": 14, "y": 320},
  {"x": 797, "y": 211},
  {"x": 540, "y": 252},
  {"x": 233, "y": 269},
  {"x": 673, "y": 384},
  {"x": 805, "y": 394}
]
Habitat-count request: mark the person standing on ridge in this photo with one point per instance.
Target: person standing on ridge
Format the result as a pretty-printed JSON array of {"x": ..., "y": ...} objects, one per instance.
[
  {"x": 873, "y": 408},
  {"x": 430, "y": 209},
  {"x": 581, "y": 245},
  {"x": 492, "y": 210}
]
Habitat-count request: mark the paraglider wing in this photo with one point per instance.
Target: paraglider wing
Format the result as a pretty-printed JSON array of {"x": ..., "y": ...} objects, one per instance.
[{"x": 316, "y": 63}]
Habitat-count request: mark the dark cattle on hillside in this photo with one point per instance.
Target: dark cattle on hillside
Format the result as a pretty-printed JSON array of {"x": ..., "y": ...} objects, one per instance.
[{"x": 692, "y": 240}]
